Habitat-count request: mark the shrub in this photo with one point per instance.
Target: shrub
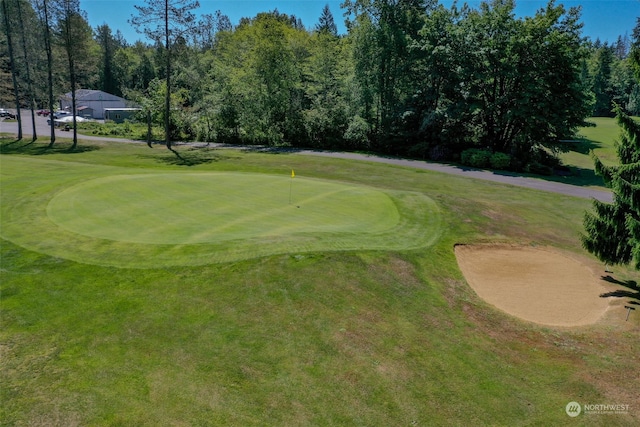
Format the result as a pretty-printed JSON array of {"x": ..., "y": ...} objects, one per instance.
[
  {"x": 357, "y": 133},
  {"x": 117, "y": 131},
  {"x": 500, "y": 161},
  {"x": 476, "y": 158}
]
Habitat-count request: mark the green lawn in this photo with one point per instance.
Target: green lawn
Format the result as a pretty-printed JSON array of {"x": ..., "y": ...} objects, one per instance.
[
  {"x": 301, "y": 326},
  {"x": 598, "y": 139}
]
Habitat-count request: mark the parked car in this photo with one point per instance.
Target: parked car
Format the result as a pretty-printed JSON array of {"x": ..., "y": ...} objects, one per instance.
[
  {"x": 7, "y": 114},
  {"x": 42, "y": 113},
  {"x": 66, "y": 120},
  {"x": 61, "y": 113}
]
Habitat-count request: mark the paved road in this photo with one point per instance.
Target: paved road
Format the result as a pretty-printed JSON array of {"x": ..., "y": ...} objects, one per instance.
[
  {"x": 43, "y": 132},
  {"x": 502, "y": 177}
]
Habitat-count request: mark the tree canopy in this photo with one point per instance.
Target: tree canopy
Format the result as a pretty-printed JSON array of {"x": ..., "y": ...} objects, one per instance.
[{"x": 410, "y": 77}]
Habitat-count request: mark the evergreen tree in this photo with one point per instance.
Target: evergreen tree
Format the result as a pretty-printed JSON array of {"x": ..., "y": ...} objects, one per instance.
[
  {"x": 634, "y": 50},
  {"x": 107, "y": 74},
  {"x": 326, "y": 24},
  {"x": 621, "y": 48},
  {"x": 613, "y": 230},
  {"x": 601, "y": 81}
]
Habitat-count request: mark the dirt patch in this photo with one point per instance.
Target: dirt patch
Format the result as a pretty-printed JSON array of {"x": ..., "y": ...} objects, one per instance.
[{"x": 540, "y": 285}]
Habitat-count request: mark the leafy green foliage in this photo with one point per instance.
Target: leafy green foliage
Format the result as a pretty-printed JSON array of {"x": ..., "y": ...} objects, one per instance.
[
  {"x": 410, "y": 78},
  {"x": 476, "y": 158}
]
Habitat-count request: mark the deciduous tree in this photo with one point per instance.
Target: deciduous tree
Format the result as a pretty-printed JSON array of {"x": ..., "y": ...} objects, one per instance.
[{"x": 165, "y": 21}]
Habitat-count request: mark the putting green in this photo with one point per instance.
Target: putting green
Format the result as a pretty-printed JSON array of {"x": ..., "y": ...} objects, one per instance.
[
  {"x": 138, "y": 218},
  {"x": 215, "y": 207}
]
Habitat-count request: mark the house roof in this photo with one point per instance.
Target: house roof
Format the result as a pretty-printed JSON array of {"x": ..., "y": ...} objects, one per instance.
[{"x": 88, "y": 95}]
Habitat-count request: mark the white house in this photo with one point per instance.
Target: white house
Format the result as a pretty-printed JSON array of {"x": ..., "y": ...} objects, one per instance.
[{"x": 95, "y": 100}]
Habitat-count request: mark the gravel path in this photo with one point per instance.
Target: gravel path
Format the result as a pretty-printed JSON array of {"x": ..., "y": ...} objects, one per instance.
[{"x": 43, "y": 131}]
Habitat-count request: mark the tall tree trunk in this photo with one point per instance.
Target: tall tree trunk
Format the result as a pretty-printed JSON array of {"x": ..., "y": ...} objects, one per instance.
[
  {"x": 72, "y": 76},
  {"x": 167, "y": 100},
  {"x": 72, "y": 71},
  {"x": 32, "y": 100},
  {"x": 47, "y": 45},
  {"x": 7, "y": 27}
]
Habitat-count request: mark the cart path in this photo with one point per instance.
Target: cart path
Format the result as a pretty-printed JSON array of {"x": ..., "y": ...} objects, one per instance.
[{"x": 499, "y": 177}]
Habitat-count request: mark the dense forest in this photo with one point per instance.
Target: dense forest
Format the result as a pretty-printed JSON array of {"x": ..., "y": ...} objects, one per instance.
[{"x": 410, "y": 77}]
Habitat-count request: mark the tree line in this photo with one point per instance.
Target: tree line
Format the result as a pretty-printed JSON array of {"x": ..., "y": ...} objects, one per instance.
[{"x": 410, "y": 77}]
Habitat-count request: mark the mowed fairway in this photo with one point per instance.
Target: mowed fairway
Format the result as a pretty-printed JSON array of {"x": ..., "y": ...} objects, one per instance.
[{"x": 138, "y": 291}]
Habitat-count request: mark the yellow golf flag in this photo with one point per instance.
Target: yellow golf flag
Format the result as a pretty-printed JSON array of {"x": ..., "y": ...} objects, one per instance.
[{"x": 293, "y": 174}]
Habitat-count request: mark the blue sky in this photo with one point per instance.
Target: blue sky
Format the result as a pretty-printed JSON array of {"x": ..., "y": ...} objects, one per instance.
[{"x": 604, "y": 19}]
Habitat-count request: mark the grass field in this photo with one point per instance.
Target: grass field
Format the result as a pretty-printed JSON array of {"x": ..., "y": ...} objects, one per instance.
[
  {"x": 599, "y": 139},
  {"x": 349, "y": 324}
]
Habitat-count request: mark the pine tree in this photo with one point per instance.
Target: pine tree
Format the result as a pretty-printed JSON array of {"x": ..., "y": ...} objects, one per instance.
[
  {"x": 634, "y": 48},
  {"x": 601, "y": 86},
  {"x": 613, "y": 230},
  {"x": 326, "y": 24},
  {"x": 108, "y": 46}
]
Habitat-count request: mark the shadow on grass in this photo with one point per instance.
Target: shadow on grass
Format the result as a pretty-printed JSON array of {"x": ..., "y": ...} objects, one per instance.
[
  {"x": 191, "y": 156},
  {"x": 584, "y": 146},
  {"x": 35, "y": 148},
  {"x": 634, "y": 291}
]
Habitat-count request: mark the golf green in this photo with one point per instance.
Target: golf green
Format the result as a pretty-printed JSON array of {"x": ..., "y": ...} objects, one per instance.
[
  {"x": 136, "y": 218},
  {"x": 214, "y": 207}
]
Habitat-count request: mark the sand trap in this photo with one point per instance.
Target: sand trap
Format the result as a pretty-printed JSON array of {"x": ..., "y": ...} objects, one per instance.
[{"x": 539, "y": 285}]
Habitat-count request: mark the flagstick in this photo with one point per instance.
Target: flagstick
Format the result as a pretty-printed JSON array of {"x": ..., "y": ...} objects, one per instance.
[{"x": 293, "y": 174}]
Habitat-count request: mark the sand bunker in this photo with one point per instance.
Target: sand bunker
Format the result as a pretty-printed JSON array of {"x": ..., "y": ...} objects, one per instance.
[{"x": 539, "y": 285}]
